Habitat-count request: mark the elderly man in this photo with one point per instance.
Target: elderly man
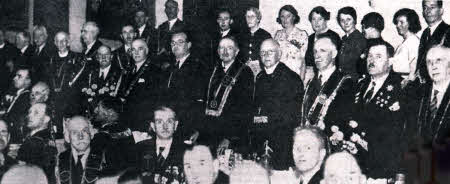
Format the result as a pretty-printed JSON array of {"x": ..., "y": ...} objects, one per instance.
[
  {"x": 123, "y": 53},
  {"x": 379, "y": 110},
  {"x": 330, "y": 91},
  {"x": 435, "y": 33},
  {"x": 39, "y": 93},
  {"x": 342, "y": 167},
  {"x": 35, "y": 148},
  {"x": 165, "y": 151},
  {"x": 166, "y": 29},
  {"x": 6, "y": 161},
  {"x": 185, "y": 86},
  {"x": 143, "y": 89},
  {"x": 42, "y": 53},
  {"x": 353, "y": 43},
  {"x": 229, "y": 99},
  {"x": 26, "y": 50},
  {"x": 309, "y": 151},
  {"x": 278, "y": 94},
  {"x": 89, "y": 34},
  {"x": 17, "y": 103},
  {"x": 80, "y": 163}
]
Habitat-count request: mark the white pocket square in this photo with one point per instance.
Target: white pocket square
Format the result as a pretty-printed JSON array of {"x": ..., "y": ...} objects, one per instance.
[{"x": 141, "y": 80}]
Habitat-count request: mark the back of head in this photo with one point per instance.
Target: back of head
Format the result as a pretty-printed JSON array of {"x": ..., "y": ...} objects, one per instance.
[
  {"x": 249, "y": 172},
  {"x": 24, "y": 174}
]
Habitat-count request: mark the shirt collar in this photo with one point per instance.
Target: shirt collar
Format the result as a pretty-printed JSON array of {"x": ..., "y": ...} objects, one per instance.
[
  {"x": 24, "y": 49},
  {"x": 63, "y": 54},
  {"x": 88, "y": 47},
  {"x": 227, "y": 66},
  {"x": 165, "y": 144},
  {"x": 224, "y": 33},
  {"x": 306, "y": 177},
  {"x": 271, "y": 69},
  {"x": 41, "y": 47},
  {"x": 442, "y": 87},
  {"x": 433, "y": 28},
  {"x": 83, "y": 158},
  {"x": 2, "y": 45},
  {"x": 138, "y": 65},
  {"x": 19, "y": 91},
  {"x": 126, "y": 47},
  {"x": 326, "y": 74},
  {"x": 183, "y": 59},
  {"x": 141, "y": 29},
  {"x": 172, "y": 22},
  {"x": 105, "y": 70}
]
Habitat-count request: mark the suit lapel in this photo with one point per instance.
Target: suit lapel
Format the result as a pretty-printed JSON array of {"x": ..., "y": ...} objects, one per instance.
[{"x": 443, "y": 107}]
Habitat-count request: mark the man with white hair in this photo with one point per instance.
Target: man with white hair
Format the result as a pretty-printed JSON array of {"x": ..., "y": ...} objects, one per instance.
[
  {"x": 24, "y": 174},
  {"x": 6, "y": 161},
  {"x": 39, "y": 93},
  {"x": 89, "y": 36},
  {"x": 42, "y": 53},
  {"x": 342, "y": 167}
]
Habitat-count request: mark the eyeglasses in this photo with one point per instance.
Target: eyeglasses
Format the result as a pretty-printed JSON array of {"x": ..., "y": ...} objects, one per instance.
[
  {"x": 173, "y": 43},
  {"x": 267, "y": 53},
  {"x": 103, "y": 56},
  {"x": 169, "y": 121}
]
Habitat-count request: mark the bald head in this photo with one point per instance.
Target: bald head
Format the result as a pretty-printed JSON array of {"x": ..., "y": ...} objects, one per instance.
[
  {"x": 342, "y": 167},
  {"x": 39, "y": 93},
  {"x": 24, "y": 174},
  {"x": 62, "y": 41},
  {"x": 270, "y": 53}
]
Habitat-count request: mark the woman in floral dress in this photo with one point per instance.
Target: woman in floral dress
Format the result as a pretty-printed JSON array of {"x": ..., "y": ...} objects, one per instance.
[{"x": 293, "y": 41}]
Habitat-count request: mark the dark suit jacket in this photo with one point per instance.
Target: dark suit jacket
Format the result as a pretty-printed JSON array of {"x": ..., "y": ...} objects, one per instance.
[
  {"x": 232, "y": 123},
  {"x": 122, "y": 58},
  {"x": 23, "y": 58},
  {"x": 8, "y": 53},
  {"x": 278, "y": 96},
  {"x": 384, "y": 125},
  {"x": 426, "y": 43},
  {"x": 338, "y": 110},
  {"x": 165, "y": 35},
  {"x": 349, "y": 58},
  {"x": 421, "y": 99},
  {"x": 16, "y": 118},
  {"x": 150, "y": 35},
  {"x": 185, "y": 88},
  {"x": 90, "y": 56},
  {"x": 309, "y": 56},
  {"x": 40, "y": 62},
  {"x": 147, "y": 157},
  {"x": 141, "y": 92}
]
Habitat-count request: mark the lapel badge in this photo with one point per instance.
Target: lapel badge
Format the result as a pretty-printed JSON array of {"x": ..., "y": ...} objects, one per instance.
[{"x": 390, "y": 88}]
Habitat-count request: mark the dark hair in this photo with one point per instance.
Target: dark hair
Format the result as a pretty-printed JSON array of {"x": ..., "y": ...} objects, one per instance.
[
  {"x": 232, "y": 38},
  {"x": 320, "y": 135},
  {"x": 140, "y": 10},
  {"x": 331, "y": 38},
  {"x": 27, "y": 68},
  {"x": 348, "y": 10},
  {"x": 201, "y": 143},
  {"x": 131, "y": 174},
  {"x": 389, "y": 48},
  {"x": 290, "y": 9},
  {"x": 188, "y": 35},
  {"x": 411, "y": 17},
  {"x": 164, "y": 108},
  {"x": 25, "y": 34},
  {"x": 439, "y": 3},
  {"x": 223, "y": 10},
  {"x": 373, "y": 19},
  {"x": 127, "y": 24},
  {"x": 321, "y": 11},
  {"x": 112, "y": 103}
]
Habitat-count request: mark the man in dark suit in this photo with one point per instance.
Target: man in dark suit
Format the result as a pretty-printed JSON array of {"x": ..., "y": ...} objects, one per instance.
[
  {"x": 89, "y": 33},
  {"x": 8, "y": 56},
  {"x": 224, "y": 21},
  {"x": 80, "y": 163},
  {"x": 35, "y": 148},
  {"x": 123, "y": 53},
  {"x": 143, "y": 86},
  {"x": 278, "y": 98},
  {"x": 379, "y": 109},
  {"x": 437, "y": 32},
  {"x": 42, "y": 54},
  {"x": 330, "y": 91},
  {"x": 17, "y": 103},
  {"x": 165, "y": 152},
  {"x": 229, "y": 99},
  {"x": 145, "y": 31},
  {"x": 433, "y": 98},
  {"x": 186, "y": 84},
  {"x": 319, "y": 18},
  {"x": 26, "y": 50},
  {"x": 166, "y": 29}
]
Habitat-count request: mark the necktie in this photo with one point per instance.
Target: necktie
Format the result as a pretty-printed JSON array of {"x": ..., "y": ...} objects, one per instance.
[
  {"x": 79, "y": 171},
  {"x": 134, "y": 69},
  {"x": 177, "y": 64},
  {"x": 369, "y": 93},
  {"x": 427, "y": 34},
  {"x": 433, "y": 104},
  {"x": 37, "y": 51},
  {"x": 129, "y": 51},
  {"x": 160, "y": 159},
  {"x": 320, "y": 80},
  {"x": 102, "y": 75}
]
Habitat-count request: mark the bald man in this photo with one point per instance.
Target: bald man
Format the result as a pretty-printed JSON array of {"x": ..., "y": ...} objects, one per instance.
[
  {"x": 39, "y": 93},
  {"x": 278, "y": 96},
  {"x": 16, "y": 175},
  {"x": 342, "y": 167},
  {"x": 143, "y": 86}
]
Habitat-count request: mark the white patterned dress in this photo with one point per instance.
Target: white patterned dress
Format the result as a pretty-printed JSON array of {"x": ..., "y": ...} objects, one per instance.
[{"x": 293, "y": 48}]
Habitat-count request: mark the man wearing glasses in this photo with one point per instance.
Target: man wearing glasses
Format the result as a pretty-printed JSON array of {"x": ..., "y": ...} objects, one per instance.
[{"x": 278, "y": 94}]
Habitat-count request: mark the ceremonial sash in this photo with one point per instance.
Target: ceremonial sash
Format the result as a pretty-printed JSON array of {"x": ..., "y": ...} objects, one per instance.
[
  {"x": 15, "y": 99},
  {"x": 214, "y": 109},
  {"x": 136, "y": 78}
]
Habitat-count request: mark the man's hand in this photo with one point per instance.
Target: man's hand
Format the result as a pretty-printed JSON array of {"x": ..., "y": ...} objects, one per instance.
[{"x": 223, "y": 146}]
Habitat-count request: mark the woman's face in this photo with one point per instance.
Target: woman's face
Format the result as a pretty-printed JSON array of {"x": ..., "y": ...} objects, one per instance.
[
  {"x": 287, "y": 19},
  {"x": 252, "y": 19},
  {"x": 402, "y": 25}
]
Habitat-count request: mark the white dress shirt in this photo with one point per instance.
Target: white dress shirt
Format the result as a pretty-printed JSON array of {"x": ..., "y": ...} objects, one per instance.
[
  {"x": 378, "y": 83},
  {"x": 271, "y": 69},
  {"x": 2, "y": 45},
  {"x": 138, "y": 65},
  {"x": 433, "y": 28},
  {"x": 441, "y": 91},
  {"x": 171, "y": 23},
  {"x": 406, "y": 54},
  {"x": 104, "y": 71},
  {"x": 227, "y": 66},
  {"x": 141, "y": 30},
  {"x": 165, "y": 144},
  {"x": 224, "y": 33},
  {"x": 83, "y": 158},
  {"x": 182, "y": 60},
  {"x": 326, "y": 74},
  {"x": 41, "y": 47},
  {"x": 24, "y": 49}
]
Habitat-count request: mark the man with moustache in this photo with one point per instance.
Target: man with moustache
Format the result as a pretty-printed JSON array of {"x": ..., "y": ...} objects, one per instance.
[
  {"x": 278, "y": 98},
  {"x": 437, "y": 32},
  {"x": 229, "y": 99},
  {"x": 123, "y": 53},
  {"x": 224, "y": 21},
  {"x": 166, "y": 29},
  {"x": 330, "y": 91},
  {"x": 143, "y": 86}
]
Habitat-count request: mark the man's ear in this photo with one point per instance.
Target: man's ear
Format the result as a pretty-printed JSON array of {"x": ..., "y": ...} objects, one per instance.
[
  {"x": 334, "y": 53},
  {"x": 66, "y": 131},
  {"x": 46, "y": 119},
  {"x": 231, "y": 21},
  {"x": 152, "y": 126},
  {"x": 176, "y": 125},
  {"x": 189, "y": 45}
]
